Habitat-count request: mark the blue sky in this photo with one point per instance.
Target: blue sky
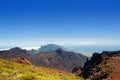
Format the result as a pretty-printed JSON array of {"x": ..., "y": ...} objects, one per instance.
[{"x": 65, "y": 22}]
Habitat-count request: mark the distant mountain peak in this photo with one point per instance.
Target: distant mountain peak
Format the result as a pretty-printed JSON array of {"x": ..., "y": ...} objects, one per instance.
[{"x": 50, "y": 48}]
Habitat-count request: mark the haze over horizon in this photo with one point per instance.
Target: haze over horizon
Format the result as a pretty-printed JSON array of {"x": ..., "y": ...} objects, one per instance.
[{"x": 32, "y": 23}]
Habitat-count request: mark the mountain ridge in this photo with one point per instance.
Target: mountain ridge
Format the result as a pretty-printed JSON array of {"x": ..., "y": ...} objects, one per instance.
[{"x": 63, "y": 60}]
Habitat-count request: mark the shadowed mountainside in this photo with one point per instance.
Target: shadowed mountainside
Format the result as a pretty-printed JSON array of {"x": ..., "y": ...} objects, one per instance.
[{"x": 60, "y": 59}]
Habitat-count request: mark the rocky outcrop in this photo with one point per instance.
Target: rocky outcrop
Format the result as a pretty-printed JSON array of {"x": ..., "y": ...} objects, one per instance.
[{"x": 104, "y": 66}]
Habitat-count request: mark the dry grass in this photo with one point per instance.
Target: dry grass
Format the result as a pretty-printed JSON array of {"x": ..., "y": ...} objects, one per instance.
[{"x": 14, "y": 71}]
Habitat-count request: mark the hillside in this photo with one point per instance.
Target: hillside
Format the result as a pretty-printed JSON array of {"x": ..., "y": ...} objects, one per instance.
[
  {"x": 17, "y": 55},
  {"x": 104, "y": 66},
  {"x": 14, "y": 71},
  {"x": 58, "y": 59}
]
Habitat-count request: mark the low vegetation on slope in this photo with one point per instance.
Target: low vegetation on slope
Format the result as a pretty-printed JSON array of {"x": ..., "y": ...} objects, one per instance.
[{"x": 14, "y": 71}]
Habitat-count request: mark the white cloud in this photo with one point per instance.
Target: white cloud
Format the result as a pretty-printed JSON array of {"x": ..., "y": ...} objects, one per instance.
[{"x": 29, "y": 48}]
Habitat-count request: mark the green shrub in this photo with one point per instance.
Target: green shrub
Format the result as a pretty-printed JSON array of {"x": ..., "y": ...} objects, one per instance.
[{"x": 28, "y": 77}]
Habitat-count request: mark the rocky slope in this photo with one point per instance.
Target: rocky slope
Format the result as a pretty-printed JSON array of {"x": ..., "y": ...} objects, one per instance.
[
  {"x": 60, "y": 59},
  {"x": 104, "y": 66}
]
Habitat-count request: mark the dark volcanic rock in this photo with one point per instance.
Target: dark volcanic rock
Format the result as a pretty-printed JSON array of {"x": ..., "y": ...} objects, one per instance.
[{"x": 104, "y": 66}]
